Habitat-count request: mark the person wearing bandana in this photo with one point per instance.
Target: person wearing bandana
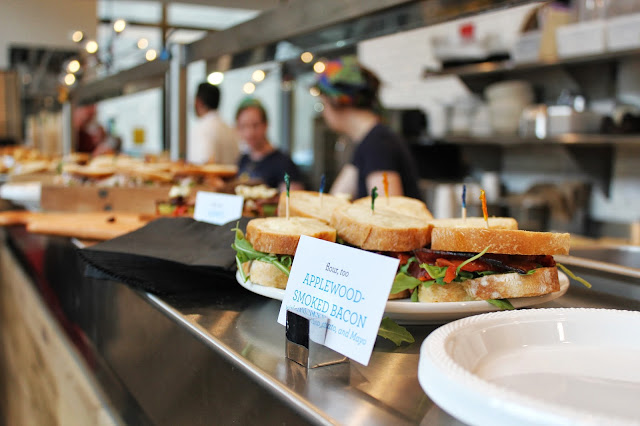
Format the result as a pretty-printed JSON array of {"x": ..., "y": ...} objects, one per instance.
[{"x": 349, "y": 93}]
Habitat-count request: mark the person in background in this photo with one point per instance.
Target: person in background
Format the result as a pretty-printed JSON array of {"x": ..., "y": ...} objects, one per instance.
[
  {"x": 350, "y": 96},
  {"x": 111, "y": 144},
  {"x": 211, "y": 140},
  {"x": 89, "y": 134},
  {"x": 262, "y": 161}
]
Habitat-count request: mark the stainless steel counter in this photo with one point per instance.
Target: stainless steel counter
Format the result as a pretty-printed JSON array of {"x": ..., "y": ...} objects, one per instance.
[{"x": 218, "y": 357}]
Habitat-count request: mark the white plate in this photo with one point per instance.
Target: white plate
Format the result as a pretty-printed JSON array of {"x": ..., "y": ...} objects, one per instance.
[
  {"x": 533, "y": 367},
  {"x": 408, "y": 312},
  {"x": 26, "y": 194}
]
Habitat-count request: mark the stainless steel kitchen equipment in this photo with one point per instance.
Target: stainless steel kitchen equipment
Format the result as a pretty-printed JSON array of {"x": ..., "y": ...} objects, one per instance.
[{"x": 218, "y": 356}]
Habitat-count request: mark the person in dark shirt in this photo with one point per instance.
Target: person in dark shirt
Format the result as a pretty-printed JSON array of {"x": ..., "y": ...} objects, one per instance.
[
  {"x": 263, "y": 161},
  {"x": 350, "y": 96}
]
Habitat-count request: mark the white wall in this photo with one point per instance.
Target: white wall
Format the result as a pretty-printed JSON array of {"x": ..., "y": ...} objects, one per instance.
[
  {"x": 400, "y": 59},
  {"x": 43, "y": 23},
  {"x": 139, "y": 110},
  {"x": 196, "y": 74},
  {"x": 304, "y": 113},
  {"x": 267, "y": 91}
]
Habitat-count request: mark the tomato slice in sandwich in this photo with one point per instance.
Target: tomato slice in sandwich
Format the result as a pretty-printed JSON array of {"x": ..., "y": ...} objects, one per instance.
[{"x": 452, "y": 266}]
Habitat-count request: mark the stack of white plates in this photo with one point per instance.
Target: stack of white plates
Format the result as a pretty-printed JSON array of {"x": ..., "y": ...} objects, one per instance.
[
  {"x": 507, "y": 100},
  {"x": 535, "y": 367}
]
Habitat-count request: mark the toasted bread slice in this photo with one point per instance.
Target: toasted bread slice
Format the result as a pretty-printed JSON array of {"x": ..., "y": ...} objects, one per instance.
[
  {"x": 31, "y": 167},
  {"x": 91, "y": 172},
  {"x": 497, "y": 286},
  {"x": 221, "y": 170},
  {"x": 307, "y": 204},
  {"x": 500, "y": 241},
  {"x": 400, "y": 295},
  {"x": 265, "y": 274},
  {"x": 504, "y": 286},
  {"x": 476, "y": 222},
  {"x": 436, "y": 293},
  {"x": 382, "y": 230},
  {"x": 279, "y": 235},
  {"x": 405, "y": 205}
]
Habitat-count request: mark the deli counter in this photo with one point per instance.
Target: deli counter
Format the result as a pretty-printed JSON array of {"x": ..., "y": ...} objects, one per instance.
[{"x": 82, "y": 348}]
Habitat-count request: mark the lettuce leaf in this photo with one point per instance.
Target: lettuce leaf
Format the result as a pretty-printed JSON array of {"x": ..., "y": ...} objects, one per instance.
[
  {"x": 427, "y": 284},
  {"x": 566, "y": 270},
  {"x": 405, "y": 268},
  {"x": 503, "y": 304},
  {"x": 463, "y": 276},
  {"x": 471, "y": 259},
  {"x": 434, "y": 271},
  {"x": 394, "y": 332},
  {"x": 245, "y": 252},
  {"x": 404, "y": 282}
]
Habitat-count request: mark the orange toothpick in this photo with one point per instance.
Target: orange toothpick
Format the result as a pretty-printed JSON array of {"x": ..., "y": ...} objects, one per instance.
[
  {"x": 483, "y": 198},
  {"x": 385, "y": 185}
]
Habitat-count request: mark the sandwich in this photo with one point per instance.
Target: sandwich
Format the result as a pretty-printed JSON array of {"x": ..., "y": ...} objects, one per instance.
[
  {"x": 466, "y": 264},
  {"x": 309, "y": 204},
  {"x": 383, "y": 231},
  {"x": 265, "y": 255},
  {"x": 404, "y": 205},
  {"x": 179, "y": 204},
  {"x": 476, "y": 222},
  {"x": 259, "y": 200}
]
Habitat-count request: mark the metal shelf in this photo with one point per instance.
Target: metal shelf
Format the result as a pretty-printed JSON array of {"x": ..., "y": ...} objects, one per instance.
[
  {"x": 309, "y": 18},
  {"x": 594, "y": 153},
  {"x": 149, "y": 74},
  {"x": 509, "y": 66},
  {"x": 569, "y": 139}
]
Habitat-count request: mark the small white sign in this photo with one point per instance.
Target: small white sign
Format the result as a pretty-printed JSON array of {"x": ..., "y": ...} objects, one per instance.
[
  {"x": 212, "y": 207},
  {"x": 345, "y": 289}
]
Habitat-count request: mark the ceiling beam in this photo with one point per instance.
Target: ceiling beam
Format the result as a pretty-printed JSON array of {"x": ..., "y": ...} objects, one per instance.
[
  {"x": 305, "y": 16},
  {"x": 235, "y": 4},
  {"x": 156, "y": 25},
  {"x": 293, "y": 18}
]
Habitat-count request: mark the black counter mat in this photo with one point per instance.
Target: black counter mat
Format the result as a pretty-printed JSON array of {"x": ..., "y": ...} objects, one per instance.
[{"x": 168, "y": 256}]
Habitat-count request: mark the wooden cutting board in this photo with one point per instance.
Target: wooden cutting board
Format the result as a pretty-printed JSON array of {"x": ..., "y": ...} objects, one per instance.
[
  {"x": 90, "y": 226},
  {"x": 16, "y": 217}
]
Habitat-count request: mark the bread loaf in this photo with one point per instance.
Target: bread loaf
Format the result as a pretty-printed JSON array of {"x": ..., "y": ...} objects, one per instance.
[
  {"x": 404, "y": 205},
  {"x": 382, "y": 230},
  {"x": 279, "y": 235},
  {"x": 307, "y": 204},
  {"x": 500, "y": 241}
]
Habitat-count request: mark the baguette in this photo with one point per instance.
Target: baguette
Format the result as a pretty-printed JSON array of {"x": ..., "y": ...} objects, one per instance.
[
  {"x": 476, "y": 222},
  {"x": 500, "y": 241},
  {"x": 307, "y": 204},
  {"x": 383, "y": 230},
  {"x": 279, "y": 235},
  {"x": 497, "y": 286},
  {"x": 405, "y": 205}
]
